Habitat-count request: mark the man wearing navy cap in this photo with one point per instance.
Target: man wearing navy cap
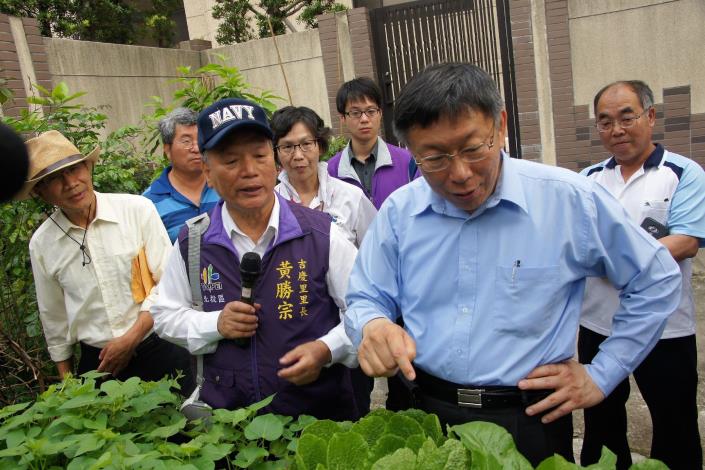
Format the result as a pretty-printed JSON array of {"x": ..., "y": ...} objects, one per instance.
[{"x": 297, "y": 345}]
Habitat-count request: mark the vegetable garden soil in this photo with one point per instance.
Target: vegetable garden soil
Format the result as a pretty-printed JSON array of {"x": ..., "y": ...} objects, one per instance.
[{"x": 639, "y": 431}]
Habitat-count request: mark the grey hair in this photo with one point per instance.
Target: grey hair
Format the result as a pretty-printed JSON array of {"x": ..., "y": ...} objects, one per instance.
[
  {"x": 641, "y": 89},
  {"x": 445, "y": 90},
  {"x": 182, "y": 116}
]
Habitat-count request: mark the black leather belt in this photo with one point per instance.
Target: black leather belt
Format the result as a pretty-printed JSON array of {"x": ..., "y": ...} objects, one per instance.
[{"x": 483, "y": 396}]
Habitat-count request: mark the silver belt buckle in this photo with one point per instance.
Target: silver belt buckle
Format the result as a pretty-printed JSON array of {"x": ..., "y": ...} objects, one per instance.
[{"x": 470, "y": 397}]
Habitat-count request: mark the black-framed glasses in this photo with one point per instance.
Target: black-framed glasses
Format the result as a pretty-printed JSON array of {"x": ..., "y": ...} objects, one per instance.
[
  {"x": 625, "y": 122},
  {"x": 289, "y": 149},
  {"x": 357, "y": 114},
  {"x": 473, "y": 154}
]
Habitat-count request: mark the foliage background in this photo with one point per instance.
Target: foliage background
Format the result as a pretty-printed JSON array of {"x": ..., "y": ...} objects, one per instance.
[
  {"x": 116, "y": 21},
  {"x": 236, "y": 25}
]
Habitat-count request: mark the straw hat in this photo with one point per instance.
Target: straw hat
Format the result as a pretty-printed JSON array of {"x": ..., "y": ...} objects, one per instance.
[{"x": 48, "y": 153}]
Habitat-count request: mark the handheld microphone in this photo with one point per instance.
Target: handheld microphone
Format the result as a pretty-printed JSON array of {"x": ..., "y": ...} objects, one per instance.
[
  {"x": 250, "y": 267},
  {"x": 14, "y": 163}
]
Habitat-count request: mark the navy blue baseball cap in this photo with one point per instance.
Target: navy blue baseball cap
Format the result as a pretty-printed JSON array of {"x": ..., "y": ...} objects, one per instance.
[{"x": 224, "y": 116}]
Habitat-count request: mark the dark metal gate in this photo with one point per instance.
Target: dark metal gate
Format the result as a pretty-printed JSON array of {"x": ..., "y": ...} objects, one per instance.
[{"x": 410, "y": 36}]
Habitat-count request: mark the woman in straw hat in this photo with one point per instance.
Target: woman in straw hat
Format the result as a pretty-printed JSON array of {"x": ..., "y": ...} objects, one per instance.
[{"x": 96, "y": 261}]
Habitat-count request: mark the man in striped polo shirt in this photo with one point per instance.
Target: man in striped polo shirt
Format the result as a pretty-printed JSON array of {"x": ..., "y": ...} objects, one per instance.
[{"x": 180, "y": 192}]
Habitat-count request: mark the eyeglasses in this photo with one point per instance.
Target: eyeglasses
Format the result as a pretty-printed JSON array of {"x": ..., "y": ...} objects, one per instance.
[
  {"x": 357, "y": 114},
  {"x": 188, "y": 144},
  {"x": 289, "y": 149},
  {"x": 58, "y": 175},
  {"x": 625, "y": 122},
  {"x": 468, "y": 155}
]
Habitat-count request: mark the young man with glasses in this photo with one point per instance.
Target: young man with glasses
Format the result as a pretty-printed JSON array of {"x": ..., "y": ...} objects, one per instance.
[
  {"x": 181, "y": 192},
  {"x": 485, "y": 258},
  {"x": 664, "y": 193},
  {"x": 96, "y": 260},
  {"x": 367, "y": 161}
]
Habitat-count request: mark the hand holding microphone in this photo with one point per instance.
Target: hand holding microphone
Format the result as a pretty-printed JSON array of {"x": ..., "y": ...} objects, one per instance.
[{"x": 238, "y": 320}]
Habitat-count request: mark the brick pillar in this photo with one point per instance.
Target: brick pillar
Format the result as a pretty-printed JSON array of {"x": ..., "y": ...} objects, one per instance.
[
  {"x": 10, "y": 65},
  {"x": 676, "y": 119},
  {"x": 358, "y": 49},
  {"x": 332, "y": 68},
  {"x": 19, "y": 80},
  {"x": 361, "y": 39},
  {"x": 569, "y": 150},
  {"x": 697, "y": 138},
  {"x": 525, "y": 76},
  {"x": 38, "y": 52}
]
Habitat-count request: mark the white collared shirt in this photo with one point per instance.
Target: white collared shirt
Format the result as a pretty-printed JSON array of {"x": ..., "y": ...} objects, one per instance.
[
  {"x": 176, "y": 321},
  {"x": 346, "y": 203},
  {"x": 94, "y": 303}
]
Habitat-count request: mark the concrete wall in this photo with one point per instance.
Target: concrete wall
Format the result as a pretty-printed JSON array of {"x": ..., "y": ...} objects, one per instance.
[
  {"x": 126, "y": 77},
  {"x": 566, "y": 50},
  {"x": 201, "y": 25},
  {"x": 625, "y": 38},
  {"x": 302, "y": 68},
  {"x": 123, "y": 77}
]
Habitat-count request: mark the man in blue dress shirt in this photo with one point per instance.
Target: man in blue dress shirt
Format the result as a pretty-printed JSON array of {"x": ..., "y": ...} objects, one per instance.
[{"x": 485, "y": 259}]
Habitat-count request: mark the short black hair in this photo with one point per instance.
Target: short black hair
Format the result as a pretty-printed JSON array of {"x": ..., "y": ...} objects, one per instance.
[
  {"x": 445, "y": 90},
  {"x": 284, "y": 119},
  {"x": 641, "y": 89},
  {"x": 357, "y": 89}
]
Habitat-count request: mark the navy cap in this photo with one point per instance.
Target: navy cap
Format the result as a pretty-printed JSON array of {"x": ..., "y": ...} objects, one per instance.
[{"x": 224, "y": 116}]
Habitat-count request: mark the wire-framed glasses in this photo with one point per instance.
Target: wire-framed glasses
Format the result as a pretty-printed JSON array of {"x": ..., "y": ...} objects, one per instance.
[
  {"x": 625, "y": 122},
  {"x": 473, "y": 154},
  {"x": 187, "y": 143}
]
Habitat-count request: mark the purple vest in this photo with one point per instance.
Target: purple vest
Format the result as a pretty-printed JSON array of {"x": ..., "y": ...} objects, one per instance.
[
  {"x": 385, "y": 180},
  {"x": 296, "y": 308}
]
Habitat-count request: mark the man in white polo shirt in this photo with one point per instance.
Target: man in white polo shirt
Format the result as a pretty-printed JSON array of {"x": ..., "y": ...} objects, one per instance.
[{"x": 664, "y": 193}]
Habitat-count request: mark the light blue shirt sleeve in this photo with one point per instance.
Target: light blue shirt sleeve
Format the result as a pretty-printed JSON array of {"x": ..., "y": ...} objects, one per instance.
[
  {"x": 374, "y": 289},
  {"x": 650, "y": 284},
  {"x": 687, "y": 212}
]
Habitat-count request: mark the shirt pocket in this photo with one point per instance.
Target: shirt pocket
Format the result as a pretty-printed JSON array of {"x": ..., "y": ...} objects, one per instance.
[
  {"x": 657, "y": 210},
  {"x": 526, "y": 299},
  {"x": 117, "y": 267}
]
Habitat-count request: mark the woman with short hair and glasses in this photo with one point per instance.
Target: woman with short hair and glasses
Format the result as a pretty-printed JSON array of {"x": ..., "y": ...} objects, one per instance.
[{"x": 300, "y": 138}]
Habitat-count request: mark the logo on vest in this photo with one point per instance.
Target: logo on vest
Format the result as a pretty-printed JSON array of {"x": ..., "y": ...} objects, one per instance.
[
  {"x": 229, "y": 113},
  {"x": 210, "y": 280}
]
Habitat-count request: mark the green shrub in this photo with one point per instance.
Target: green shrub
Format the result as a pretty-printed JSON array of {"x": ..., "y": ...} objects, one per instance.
[{"x": 86, "y": 423}]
